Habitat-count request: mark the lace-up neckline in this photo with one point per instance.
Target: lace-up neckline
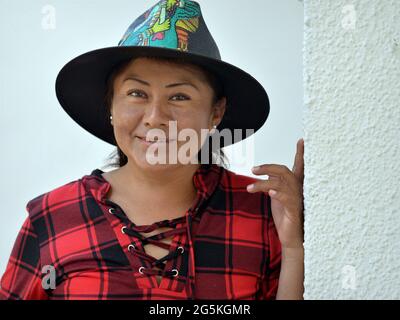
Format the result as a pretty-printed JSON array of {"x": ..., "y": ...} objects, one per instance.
[{"x": 157, "y": 266}]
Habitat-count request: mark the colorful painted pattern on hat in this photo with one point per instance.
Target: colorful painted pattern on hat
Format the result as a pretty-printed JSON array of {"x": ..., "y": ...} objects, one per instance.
[{"x": 167, "y": 24}]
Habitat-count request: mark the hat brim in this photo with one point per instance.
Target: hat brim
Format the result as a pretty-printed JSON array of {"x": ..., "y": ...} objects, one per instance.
[{"x": 81, "y": 88}]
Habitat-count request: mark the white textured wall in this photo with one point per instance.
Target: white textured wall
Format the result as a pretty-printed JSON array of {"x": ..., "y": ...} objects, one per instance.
[{"x": 352, "y": 138}]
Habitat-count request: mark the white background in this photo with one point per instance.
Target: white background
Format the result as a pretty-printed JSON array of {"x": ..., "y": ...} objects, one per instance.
[{"x": 42, "y": 148}]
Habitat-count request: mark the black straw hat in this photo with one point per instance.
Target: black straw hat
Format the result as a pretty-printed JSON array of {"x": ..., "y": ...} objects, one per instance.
[{"x": 171, "y": 29}]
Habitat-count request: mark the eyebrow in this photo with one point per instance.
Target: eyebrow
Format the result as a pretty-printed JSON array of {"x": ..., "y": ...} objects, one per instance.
[{"x": 172, "y": 85}]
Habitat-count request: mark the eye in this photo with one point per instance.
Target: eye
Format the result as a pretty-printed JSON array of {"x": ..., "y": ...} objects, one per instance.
[
  {"x": 180, "y": 96},
  {"x": 137, "y": 94}
]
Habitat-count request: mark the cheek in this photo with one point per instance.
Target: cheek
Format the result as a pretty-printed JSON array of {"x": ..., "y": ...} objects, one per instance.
[
  {"x": 125, "y": 115},
  {"x": 193, "y": 121},
  {"x": 194, "y": 116}
]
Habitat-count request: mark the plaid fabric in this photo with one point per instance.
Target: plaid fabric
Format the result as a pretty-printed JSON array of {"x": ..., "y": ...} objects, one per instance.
[{"x": 231, "y": 246}]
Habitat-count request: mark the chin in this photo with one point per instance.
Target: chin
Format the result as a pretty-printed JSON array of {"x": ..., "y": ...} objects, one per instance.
[{"x": 147, "y": 164}]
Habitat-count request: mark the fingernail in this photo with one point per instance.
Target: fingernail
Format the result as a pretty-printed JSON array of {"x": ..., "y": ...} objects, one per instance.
[
  {"x": 250, "y": 187},
  {"x": 272, "y": 192},
  {"x": 256, "y": 168}
]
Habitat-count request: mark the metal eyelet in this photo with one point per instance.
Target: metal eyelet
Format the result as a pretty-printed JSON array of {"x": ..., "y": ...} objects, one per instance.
[
  {"x": 176, "y": 272},
  {"x": 111, "y": 210},
  {"x": 140, "y": 269},
  {"x": 182, "y": 249},
  {"x": 122, "y": 229},
  {"x": 131, "y": 247}
]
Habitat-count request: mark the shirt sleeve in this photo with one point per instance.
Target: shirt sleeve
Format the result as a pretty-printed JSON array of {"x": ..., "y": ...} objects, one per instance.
[
  {"x": 22, "y": 277},
  {"x": 270, "y": 280}
]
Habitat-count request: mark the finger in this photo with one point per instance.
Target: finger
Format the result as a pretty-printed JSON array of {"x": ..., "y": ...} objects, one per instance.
[
  {"x": 271, "y": 170},
  {"x": 264, "y": 186},
  {"x": 298, "y": 166}
]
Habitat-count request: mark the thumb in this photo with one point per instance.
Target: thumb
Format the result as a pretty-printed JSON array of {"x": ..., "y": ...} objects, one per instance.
[{"x": 298, "y": 166}]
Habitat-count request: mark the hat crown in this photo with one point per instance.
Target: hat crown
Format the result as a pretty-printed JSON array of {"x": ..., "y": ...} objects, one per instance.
[{"x": 172, "y": 24}]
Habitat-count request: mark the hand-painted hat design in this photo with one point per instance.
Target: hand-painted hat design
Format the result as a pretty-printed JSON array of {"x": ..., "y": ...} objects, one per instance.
[{"x": 167, "y": 24}]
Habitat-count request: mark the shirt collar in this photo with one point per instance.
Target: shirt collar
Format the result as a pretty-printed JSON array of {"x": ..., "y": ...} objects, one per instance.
[{"x": 206, "y": 178}]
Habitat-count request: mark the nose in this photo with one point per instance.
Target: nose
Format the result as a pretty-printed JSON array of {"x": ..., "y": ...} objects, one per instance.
[{"x": 156, "y": 114}]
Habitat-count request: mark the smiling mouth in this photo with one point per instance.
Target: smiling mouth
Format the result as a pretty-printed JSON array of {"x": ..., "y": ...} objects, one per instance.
[{"x": 153, "y": 141}]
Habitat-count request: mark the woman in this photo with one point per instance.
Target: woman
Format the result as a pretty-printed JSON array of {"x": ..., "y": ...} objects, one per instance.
[{"x": 163, "y": 230}]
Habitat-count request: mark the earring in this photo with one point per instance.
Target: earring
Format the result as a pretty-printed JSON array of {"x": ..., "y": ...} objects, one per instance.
[{"x": 110, "y": 117}]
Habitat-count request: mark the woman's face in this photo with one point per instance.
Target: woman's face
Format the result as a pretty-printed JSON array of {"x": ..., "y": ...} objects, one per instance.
[{"x": 153, "y": 96}]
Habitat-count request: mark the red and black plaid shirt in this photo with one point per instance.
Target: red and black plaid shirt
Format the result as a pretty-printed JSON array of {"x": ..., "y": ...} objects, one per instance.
[{"x": 225, "y": 247}]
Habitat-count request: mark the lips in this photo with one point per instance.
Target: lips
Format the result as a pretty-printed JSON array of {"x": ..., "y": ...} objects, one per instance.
[{"x": 153, "y": 141}]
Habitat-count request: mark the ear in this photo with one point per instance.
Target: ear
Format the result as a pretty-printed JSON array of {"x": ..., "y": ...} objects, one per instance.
[{"x": 218, "y": 111}]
